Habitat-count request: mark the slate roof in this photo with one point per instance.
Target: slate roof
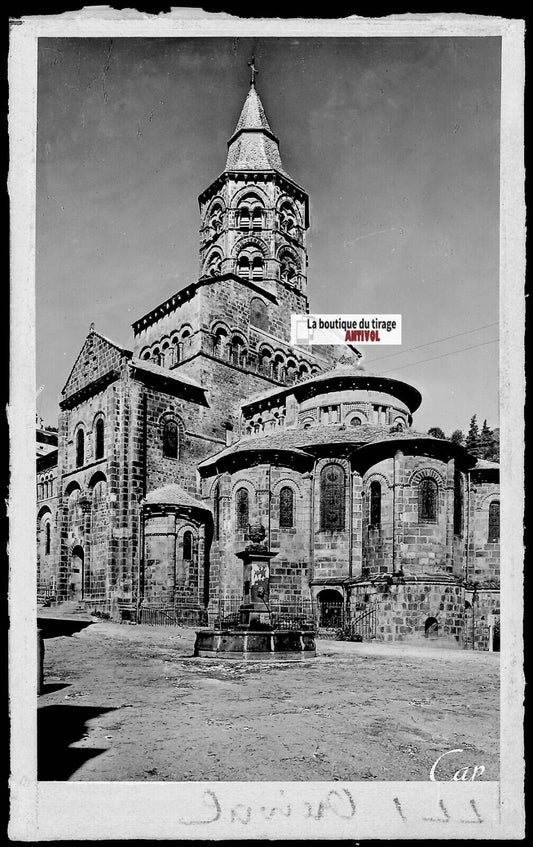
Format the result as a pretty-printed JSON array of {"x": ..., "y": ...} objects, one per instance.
[
  {"x": 175, "y": 375},
  {"x": 174, "y": 495},
  {"x": 356, "y": 377},
  {"x": 302, "y": 440},
  {"x": 253, "y": 146}
]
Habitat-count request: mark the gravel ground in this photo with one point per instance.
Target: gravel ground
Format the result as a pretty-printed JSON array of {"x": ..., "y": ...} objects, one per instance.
[{"x": 125, "y": 702}]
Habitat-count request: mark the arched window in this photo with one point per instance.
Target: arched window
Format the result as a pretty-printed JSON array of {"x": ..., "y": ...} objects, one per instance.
[
  {"x": 355, "y": 421},
  {"x": 170, "y": 440},
  {"x": 242, "y": 509},
  {"x": 215, "y": 221},
  {"x": 99, "y": 447},
  {"x": 216, "y": 512},
  {"x": 47, "y": 536},
  {"x": 214, "y": 264},
  {"x": 332, "y": 493},
  {"x": 288, "y": 266},
  {"x": 457, "y": 503},
  {"x": 494, "y": 522},
  {"x": 187, "y": 545},
  {"x": 80, "y": 448},
  {"x": 286, "y": 507},
  {"x": 175, "y": 352},
  {"x": 427, "y": 500},
  {"x": 375, "y": 503},
  {"x": 258, "y": 313},
  {"x": 244, "y": 217},
  {"x": 257, "y": 218},
  {"x": 287, "y": 217}
]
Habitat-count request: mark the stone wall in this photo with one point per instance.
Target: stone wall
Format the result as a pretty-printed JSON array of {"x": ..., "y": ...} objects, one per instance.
[{"x": 404, "y": 612}]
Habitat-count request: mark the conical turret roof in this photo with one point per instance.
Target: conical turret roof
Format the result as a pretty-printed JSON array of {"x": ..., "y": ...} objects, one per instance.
[{"x": 253, "y": 146}]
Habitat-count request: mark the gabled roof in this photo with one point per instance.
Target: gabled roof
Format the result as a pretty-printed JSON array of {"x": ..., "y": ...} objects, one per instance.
[{"x": 98, "y": 356}]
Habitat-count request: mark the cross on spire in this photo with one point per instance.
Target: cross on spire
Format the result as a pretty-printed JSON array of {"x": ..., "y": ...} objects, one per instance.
[{"x": 254, "y": 71}]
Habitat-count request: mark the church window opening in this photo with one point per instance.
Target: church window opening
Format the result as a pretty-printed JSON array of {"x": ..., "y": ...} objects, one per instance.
[
  {"x": 332, "y": 495},
  {"x": 427, "y": 500},
  {"x": 243, "y": 265},
  {"x": 242, "y": 508},
  {"x": 288, "y": 267},
  {"x": 215, "y": 220},
  {"x": 170, "y": 440},
  {"x": 214, "y": 264},
  {"x": 494, "y": 522},
  {"x": 187, "y": 545},
  {"x": 257, "y": 267},
  {"x": 287, "y": 217},
  {"x": 99, "y": 447},
  {"x": 286, "y": 507},
  {"x": 457, "y": 503},
  {"x": 80, "y": 448},
  {"x": 244, "y": 217},
  {"x": 175, "y": 354},
  {"x": 356, "y": 421},
  {"x": 258, "y": 313},
  {"x": 157, "y": 357},
  {"x": 375, "y": 503},
  {"x": 257, "y": 218},
  {"x": 47, "y": 535}
]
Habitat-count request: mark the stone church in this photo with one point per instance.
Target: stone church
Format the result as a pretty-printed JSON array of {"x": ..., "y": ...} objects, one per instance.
[{"x": 213, "y": 423}]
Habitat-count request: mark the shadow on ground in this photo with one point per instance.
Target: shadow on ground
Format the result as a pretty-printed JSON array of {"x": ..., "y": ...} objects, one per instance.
[
  {"x": 48, "y": 687},
  {"x": 57, "y": 728}
]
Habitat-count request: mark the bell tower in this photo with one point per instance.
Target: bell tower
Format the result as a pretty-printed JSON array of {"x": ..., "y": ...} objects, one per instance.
[{"x": 254, "y": 217}]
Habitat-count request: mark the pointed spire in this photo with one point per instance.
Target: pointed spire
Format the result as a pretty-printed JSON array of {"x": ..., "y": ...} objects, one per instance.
[{"x": 253, "y": 146}]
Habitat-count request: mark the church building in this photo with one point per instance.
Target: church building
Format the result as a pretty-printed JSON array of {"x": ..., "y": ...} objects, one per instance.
[{"x": 170, "y": 452}]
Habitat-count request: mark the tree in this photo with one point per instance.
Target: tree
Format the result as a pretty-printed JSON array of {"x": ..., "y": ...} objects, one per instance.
[
  {"x": 457, "y": 437},
  {"x": 472, "y": 443},
  {"x": 436, "y": 432},
  {"x": 486, "y": 442}
]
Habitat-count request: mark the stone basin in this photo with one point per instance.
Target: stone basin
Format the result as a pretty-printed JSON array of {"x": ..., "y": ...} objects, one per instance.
[{"x": 247, "y": 644}]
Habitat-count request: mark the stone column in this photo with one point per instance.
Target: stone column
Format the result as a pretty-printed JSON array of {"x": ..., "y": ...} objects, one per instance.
[
  {"x": 397, "y": 510},
  {"x": 449, "y": 494}
]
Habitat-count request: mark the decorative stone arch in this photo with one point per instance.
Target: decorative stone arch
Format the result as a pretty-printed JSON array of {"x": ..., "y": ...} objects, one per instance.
[
  {"x": 246, "y": 481},
  {"x": 286, "y": 199},
  {"x": 249, "y": 241},
  {"x": 71, "y": 487},
  {"x": 97, "y": 477},
  {"x": 145, "y": 353},
  {"x": 484, "y": 502},
  {"x": 304, "y": 370},
  {"x": 213, "y": 262},
  {"x": 355, "y": 415},
  {"x": 284, "y": 481},
  {"x": 216, "y": 201},
  {"x": 44, "y": 510},
  {"x": 372, "y": 476},
  {"x": 308, "y": 422},
  {"x": 246, "y": 191},
  {"x": 278, "y": 364},
  {"x": 185, "y": 331},
  {"x": 421, "y": 473},
  {"x": 399, "y": 422}
]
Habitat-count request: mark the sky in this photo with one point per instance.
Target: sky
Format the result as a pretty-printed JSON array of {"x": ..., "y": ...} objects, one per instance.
[{"x": 396, "y": 140}]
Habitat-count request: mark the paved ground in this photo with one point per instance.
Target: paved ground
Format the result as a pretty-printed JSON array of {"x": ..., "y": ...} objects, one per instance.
[{"x": 124, "y": 702}]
